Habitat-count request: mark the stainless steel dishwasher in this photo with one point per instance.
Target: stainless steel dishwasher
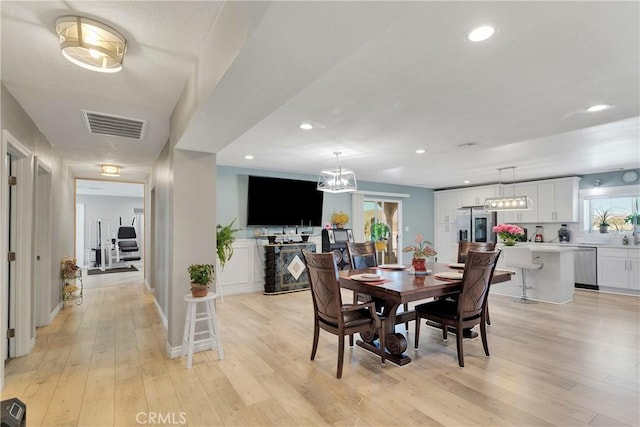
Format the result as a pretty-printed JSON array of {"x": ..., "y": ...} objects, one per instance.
[{"x": 585, "y": 260}]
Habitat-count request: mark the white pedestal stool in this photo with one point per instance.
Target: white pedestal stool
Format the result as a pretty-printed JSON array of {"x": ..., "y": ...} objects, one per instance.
[
  {"x": 522, "y": 258},
  {"x": 212, "y": 337}
]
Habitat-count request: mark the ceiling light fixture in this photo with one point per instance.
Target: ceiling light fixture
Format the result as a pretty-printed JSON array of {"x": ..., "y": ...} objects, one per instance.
[
  {"x": 338, "y": 180},
  {"x": 508, "y": 203},
  {"x": 110, "y": 170},
  {"x": 306, "y": 126},
  {"x": 421, "y": 151},
  {"x": 248, "y": 157},
  {"x": 91, "y": 44},
  {"x": 599, "y": 107},
  {"x": 481, "y": 33}
]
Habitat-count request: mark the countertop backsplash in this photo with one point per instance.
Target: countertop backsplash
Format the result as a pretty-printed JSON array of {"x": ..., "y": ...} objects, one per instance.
[{"x": 578, "y": 236}]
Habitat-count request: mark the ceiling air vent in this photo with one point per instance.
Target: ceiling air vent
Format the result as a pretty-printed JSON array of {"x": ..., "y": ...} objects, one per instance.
[{"x": 106, "y": 124}]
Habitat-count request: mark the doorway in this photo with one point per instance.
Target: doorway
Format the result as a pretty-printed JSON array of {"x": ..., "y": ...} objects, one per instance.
[
  {"x": 388, "y": 212},
  {"x": 103, "y": 210},
  {"x": 16, "y": 239}
]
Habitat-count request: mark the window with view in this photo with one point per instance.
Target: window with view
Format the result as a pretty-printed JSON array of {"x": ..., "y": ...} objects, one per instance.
[{"x": 610, "y": 214}]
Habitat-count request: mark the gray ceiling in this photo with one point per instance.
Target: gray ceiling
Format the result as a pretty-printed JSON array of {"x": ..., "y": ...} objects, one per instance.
[{"x": 377, "y": 79}]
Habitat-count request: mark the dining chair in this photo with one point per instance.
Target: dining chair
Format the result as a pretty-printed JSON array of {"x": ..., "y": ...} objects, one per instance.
[
  {"x": 465, "y": 247},
  {"x": 468, "y": 308},
  {"x": 363, "y": 255},
  {"x": 330, "y": 313}
]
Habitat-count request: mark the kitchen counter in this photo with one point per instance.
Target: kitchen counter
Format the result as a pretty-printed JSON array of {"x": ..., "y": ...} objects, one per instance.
[
  {"x": 570, "y": 244},
  {"x": 554, "y": 282}
]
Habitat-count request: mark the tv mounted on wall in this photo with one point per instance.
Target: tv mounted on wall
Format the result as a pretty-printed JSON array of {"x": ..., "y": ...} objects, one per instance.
[{"x": 280, "y": 201}]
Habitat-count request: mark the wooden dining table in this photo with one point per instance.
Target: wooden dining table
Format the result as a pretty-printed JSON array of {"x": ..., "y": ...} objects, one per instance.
[{"x": 397, "y": 287}]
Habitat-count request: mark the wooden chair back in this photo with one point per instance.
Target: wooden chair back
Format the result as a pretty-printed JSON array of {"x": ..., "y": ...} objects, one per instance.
[
  {"x": 465, "y": 247},
  {"x": 478, "y": 272},
  {"x": 325, "y": 286},
  {"x": 362, "y": 254}
]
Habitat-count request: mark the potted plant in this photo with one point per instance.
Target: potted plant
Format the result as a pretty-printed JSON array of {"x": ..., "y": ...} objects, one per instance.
[
  {"x": 201, "y": 275},
  {"x": 421, "y": 251},
  {"x": 339, "y": 219},
  {"x": 602, "y": 220},
  {"x": 379, "y": 234},
  {"x": 633, "y": 219},
  {"x": 225, "y": 236}
]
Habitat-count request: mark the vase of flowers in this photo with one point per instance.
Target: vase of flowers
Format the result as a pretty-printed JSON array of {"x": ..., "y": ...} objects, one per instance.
[
  {"x": 339, "y": 219},
  {"x": 509, "y": 233},
  {"x": 421, "y": 251}
]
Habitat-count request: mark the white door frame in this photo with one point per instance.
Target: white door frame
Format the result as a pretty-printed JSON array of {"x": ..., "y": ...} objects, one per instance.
[
  {"x": 42, "y": 244},
  {"x": 21, "y": 299}
]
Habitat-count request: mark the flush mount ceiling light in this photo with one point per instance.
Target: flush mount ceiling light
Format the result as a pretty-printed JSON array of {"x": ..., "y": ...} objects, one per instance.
[
  {"x": 338, "y": 180},
  {"x": 109, "y": 170},
  {"x": 306, "y": 126},
  {"x": 508, "y": 203},
  {"x": 481, "y": 33},
  {"x": 91, "y": 44},
  {"x": 599, "y": 107}
]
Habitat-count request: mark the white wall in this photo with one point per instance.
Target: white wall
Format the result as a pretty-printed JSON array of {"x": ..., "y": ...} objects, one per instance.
[{"x": 15, "y": 120}]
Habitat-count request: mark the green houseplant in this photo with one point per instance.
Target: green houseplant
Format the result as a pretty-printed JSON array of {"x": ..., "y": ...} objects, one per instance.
[
  {"x": 379, "y": 234},
  {"x": 602, "y": 220},
  {"x": 632, "y": 219},
  {"x": 201, "y": 275},
  {"x": 225, "y": 236}
]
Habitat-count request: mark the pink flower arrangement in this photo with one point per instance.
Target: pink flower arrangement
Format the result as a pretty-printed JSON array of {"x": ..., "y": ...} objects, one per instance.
[
  {"x": 423, "y": 248},
  {"x": 508, "y": 231}
]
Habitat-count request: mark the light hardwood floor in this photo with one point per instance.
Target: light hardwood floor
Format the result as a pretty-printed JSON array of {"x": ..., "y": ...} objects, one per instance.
[{"x": 103, "y": 364}]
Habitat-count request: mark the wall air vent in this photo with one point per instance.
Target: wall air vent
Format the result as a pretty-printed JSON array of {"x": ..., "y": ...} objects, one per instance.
[{"x": 107, "y": 124}]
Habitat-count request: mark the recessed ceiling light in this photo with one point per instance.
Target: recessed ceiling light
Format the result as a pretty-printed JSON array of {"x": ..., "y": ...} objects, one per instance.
[
  {"x": 421, "y": 151},
  {"x": 248, "y": 157},
  {"x": 306, "y": 126},
  {"x": 481, "y": 33},
  {"x": 466, "y": 181},
  {"x": 598, "y": 107}
]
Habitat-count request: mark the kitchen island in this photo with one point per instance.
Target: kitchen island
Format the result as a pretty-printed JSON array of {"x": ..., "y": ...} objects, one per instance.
[{"x": 553, "y": 283}]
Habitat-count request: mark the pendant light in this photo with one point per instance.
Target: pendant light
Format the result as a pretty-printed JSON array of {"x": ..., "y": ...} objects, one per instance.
[
  {"x": 338, "y": 180},
  {"x": 508, "y": 203}
]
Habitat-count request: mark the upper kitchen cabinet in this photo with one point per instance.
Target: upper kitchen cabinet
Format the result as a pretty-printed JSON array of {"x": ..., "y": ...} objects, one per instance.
[
  {"x": 476, "y": 196},
  {"x": 523, "y": 189},
  {"x": 558, "y": 200},
  {"x": 447, "y": 202}
]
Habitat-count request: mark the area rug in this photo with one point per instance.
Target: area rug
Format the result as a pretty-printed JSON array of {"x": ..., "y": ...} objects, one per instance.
[{"x": 111, "y": 270}]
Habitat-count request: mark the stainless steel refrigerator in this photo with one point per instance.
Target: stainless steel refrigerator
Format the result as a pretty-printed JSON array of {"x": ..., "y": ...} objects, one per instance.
[{"x": 475, "y": 224}]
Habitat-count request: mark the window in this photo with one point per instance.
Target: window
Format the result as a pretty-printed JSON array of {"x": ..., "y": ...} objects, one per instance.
[{"x": 606, "y": 210}]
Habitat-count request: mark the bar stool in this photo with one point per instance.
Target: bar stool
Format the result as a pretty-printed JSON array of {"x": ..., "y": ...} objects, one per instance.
[
  {"x": 212, "y": 338},
  {"x": 523, "y": 259}
]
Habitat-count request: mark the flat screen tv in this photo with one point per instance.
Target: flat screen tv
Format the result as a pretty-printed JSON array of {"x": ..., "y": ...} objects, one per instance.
[{"x": 280, "y": 201}]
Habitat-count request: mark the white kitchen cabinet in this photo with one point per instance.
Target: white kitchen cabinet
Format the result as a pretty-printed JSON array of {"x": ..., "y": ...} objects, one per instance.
[
  {"x": 558, "y": 200},
  {"x": 445, "y": 240},
  {"x": 446, "y": 204},
  {"x": 619, "y": 268},
  {"x": 476, "y": 196},
  {"x": 524, "y": 189}
]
